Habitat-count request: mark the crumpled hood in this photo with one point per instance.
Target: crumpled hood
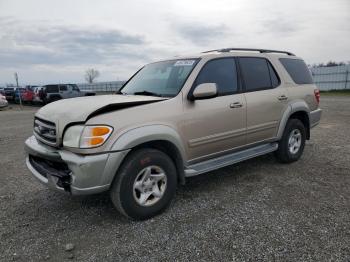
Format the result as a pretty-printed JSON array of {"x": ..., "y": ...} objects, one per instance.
[{"x": 79, "y": 109}]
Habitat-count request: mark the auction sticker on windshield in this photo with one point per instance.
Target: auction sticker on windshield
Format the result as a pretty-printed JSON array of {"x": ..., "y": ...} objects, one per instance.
[{"x": 184, "y": 62}]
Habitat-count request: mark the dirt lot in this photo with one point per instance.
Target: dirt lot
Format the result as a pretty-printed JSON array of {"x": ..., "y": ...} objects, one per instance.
[{"x": 256, "y": 210}]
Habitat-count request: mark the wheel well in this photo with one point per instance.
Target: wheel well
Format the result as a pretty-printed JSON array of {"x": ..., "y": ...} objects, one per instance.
[
  {"x": 172, "y": 151},
  {"x": 304, "y": 118}
]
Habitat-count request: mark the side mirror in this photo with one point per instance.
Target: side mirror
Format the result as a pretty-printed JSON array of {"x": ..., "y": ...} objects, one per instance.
[{"x": 204, "y": 91}]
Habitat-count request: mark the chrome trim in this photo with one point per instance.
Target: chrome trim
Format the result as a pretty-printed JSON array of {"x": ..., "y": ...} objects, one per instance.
[
  {"x": 47, "y": 137},
  {"x": 37, "y": 121}
]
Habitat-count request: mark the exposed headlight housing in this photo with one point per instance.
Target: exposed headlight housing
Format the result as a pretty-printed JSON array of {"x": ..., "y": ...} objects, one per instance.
[{"x": 86, "y": 136}]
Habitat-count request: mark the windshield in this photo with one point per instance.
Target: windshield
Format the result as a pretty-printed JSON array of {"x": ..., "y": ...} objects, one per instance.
[{"x": 160, "y": 79}]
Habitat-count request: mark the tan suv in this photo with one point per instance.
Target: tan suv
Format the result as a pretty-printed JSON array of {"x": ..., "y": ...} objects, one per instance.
[{"x": 172, "y": 120}]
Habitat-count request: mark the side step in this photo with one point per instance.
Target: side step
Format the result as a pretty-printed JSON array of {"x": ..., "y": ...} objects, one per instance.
[{"x": 230, "y": 159}]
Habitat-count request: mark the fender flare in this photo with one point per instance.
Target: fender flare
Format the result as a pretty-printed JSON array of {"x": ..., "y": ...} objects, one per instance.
[
  {"x": 158, "y": 132},
  {"x": 297, "y": 106}
]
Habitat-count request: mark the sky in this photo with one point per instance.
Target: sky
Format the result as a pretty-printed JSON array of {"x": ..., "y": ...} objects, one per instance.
[{"x": 55, "y": 41}]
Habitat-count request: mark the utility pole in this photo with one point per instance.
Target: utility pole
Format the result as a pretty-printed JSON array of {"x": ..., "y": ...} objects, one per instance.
[{"x": 19, "y": 91}]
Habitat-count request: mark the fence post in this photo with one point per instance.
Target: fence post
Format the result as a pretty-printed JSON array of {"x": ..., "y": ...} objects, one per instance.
[{"x": 346, "y": 76}]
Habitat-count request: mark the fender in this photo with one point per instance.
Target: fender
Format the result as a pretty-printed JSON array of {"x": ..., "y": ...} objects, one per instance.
[
  {"x": 296, "y": 106},
  {"x": 156, "y": 132}
]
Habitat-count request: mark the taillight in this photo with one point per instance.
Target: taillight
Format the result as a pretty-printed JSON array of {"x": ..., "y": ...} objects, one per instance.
[{"x": 317, "y": 95}]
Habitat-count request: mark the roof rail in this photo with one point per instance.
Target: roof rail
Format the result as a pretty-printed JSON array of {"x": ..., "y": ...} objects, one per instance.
[{"x": 225, "y": 50}]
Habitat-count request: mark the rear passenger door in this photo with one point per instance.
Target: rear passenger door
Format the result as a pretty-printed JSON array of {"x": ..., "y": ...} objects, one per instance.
[
  {"x": 212, "y": 126},
  {"x": 75, "y": 90},
  {"x": 64, "y": 91},
  {"x": 266, "y": 98}
]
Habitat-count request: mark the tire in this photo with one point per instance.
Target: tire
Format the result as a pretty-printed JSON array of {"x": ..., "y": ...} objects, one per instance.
[
  {"x": 287, "y": 153},
  {"x": 131, "y": 179}
]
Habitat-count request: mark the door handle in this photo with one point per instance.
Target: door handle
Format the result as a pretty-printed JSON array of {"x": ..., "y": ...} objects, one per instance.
[
  {"x": 236, "y": 105},
  {"x": 282, "y": 97}
]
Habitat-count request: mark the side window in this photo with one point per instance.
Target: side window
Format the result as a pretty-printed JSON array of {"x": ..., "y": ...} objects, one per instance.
[
  {"x": 297, "y": 70},
  {"x": 63, "y": 88},
  {"x": 273, "y": 75},
  {"x": 52, "y": 89},
  {"x": 75, "y": 87},
  {"x": 257, "y": 73},
  {"x": 222, "y": 72}
]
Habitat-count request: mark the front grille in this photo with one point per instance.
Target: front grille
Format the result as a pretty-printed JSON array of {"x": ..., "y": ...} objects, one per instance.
[{"x": 45, "y": 130}]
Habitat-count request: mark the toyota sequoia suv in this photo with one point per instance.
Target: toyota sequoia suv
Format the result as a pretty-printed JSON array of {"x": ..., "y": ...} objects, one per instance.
[{"x": 172, "y": 120}]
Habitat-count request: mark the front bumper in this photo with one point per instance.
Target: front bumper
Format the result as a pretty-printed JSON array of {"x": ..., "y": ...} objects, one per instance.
[
  {"x": 65, "y": 171},
  {"x": 315, "y": 117}
]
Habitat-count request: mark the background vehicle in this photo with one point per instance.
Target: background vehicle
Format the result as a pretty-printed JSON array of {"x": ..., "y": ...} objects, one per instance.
[
  {"x": 28, "y": 94},
  {"x": 2, "y": 91},
  {"x": 51, "y": 93},
  {"x": 19, "y": 90},
  {"x": 37, "y": 94},
  {"x": 172, "y": 120},
  {"x": 10, "y": 93},
  {"x": 3, "y": 101}
]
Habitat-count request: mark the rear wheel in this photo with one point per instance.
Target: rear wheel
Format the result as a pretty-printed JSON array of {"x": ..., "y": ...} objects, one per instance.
[
  {"x": 292, "y": 144},
  {"x": 145, "y": 184}
]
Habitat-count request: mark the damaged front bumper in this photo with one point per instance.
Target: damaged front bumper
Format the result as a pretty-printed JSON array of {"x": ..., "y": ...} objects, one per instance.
[{"x": 65, "y": 171}]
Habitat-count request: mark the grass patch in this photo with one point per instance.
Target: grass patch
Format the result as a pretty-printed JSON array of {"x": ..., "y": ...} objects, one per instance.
[{"x": 339, "y": 92}]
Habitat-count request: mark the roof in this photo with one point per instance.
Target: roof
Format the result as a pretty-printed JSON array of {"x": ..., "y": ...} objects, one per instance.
[
  {"x": 227, "y": 50},
  {"x": 238, "y": 51}
]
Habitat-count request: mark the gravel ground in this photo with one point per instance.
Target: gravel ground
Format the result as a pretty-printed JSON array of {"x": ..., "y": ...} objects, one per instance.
[{"x": 255, "y": 210}]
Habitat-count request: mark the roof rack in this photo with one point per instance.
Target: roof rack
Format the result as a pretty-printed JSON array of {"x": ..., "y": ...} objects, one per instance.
[{"x": 225, "y": 50}]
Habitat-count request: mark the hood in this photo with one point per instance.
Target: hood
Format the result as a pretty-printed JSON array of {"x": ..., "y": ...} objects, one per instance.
[{"x": 80, "y": 109}]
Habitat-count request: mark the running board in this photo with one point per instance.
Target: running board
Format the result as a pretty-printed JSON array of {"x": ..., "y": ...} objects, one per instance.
[{"x": 230, "y": 159}]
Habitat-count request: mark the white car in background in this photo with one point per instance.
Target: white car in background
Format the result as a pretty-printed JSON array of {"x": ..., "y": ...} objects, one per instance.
[
  {"x": 3, "y": 101},
  {"x": 36, "y": 96}
]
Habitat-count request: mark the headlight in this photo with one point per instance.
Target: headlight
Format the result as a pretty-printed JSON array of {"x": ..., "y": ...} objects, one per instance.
[{"x": 86, "y": 136}]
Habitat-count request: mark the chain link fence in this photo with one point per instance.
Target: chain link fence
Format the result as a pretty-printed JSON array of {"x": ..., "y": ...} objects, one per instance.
[
  {"x": 103, "y": 87},
  {"x": 332, "y": 78}
]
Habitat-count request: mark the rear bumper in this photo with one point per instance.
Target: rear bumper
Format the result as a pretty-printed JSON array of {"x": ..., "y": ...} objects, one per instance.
[
  {"x": 315, "y": 117},
  {"x": 65, "y": 171}
]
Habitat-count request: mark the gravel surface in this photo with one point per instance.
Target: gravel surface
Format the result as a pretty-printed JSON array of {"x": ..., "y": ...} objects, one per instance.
[{"x": 255, "y": 210}]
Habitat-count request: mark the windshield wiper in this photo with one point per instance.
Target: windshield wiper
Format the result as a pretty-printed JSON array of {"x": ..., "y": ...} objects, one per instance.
[{"x": 147, "y": 93}]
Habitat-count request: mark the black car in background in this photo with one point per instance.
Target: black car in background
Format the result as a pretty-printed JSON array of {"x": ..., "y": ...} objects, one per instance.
[{"x": 9, "y": 93}]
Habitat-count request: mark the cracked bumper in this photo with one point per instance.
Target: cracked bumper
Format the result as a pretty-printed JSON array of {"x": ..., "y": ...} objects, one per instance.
[
  {"x": 86, "y": 174},
  {"x": 315, "y": 117}
]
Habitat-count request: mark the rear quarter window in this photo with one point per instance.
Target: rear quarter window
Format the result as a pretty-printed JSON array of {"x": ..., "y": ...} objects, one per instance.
[{"x": 297, "y": 70}]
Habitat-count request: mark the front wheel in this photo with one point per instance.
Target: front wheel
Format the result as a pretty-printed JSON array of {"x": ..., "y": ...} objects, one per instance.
[
  {"x": 292, "y": 143},
  {"x": 145, "y": 184}
]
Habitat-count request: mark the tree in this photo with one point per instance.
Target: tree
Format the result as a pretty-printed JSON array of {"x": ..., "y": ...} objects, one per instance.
[{"x": 91, "y": 74}]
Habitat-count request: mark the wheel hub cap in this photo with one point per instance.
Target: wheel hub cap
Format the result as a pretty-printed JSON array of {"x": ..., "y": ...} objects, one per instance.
[
  {"x": 294, "y": 141},
  {"x": 149, "y": 185}
]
